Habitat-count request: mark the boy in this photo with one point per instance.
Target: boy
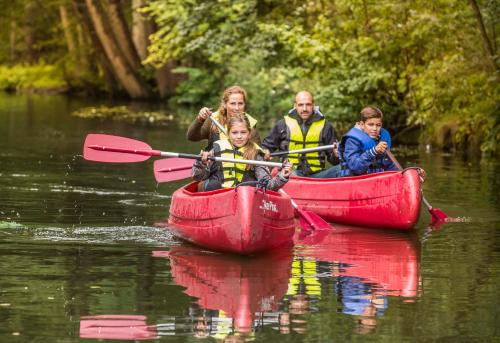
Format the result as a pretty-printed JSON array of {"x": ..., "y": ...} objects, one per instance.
[{"x": 363, "y": 149}]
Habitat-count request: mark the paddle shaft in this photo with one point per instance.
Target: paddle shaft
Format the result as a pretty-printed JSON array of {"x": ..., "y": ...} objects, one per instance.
[
  {"x": 396, "y": 163},
  {"x": 182, "y": 155},
  {"x": 219, "y": 125},
  {"x": 301, "y": 151}
]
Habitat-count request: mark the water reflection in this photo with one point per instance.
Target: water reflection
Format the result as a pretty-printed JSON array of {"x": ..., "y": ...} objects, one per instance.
[
  {"x": 357, "y": 267},
  {"x": 235, "y": 295},
  {"x": 123, "y": 327}
]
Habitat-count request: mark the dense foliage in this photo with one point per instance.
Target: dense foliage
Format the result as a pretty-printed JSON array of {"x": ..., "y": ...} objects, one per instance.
[
  {"x": 422, "y": 62},
  {"x": 431, "y": 66}
]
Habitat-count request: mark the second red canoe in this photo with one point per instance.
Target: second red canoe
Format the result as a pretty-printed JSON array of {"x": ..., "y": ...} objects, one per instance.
[{"x": 382, "y": 200}]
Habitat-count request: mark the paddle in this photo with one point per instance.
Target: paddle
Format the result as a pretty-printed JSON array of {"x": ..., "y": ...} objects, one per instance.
[
  {"x": 172, "y": 169},
  {"x": 109, "y": 148},
  {"x": 308, "y": 220},
  {"x": 437, "y": 214},
  {"x": 301, "y": 151}
]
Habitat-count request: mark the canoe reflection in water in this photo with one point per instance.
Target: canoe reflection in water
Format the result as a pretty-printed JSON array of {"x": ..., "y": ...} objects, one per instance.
[
  {"x": 235, "y": 294},
  {"x": 359, "y": 268},
  {"x": 351, "y": 271}
]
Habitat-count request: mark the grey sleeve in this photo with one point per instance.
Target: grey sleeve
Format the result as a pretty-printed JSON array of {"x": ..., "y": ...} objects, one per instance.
[{"x": 262, "y": 172}]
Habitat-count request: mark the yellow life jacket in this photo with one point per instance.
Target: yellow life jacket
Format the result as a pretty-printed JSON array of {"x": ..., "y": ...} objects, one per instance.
[
  {"x": 312, "y": 140},
  {"x": 222, "y": 135},
  {"x": 233, "y": 172},
  {"x": 304, "y": 278}
]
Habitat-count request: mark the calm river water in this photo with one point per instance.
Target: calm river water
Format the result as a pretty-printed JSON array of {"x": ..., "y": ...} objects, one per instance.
[{"x": 84, "y": 255}]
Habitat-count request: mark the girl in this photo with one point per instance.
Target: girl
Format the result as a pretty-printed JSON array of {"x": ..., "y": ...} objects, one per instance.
[
  {"x": 214, "y": 175},
  {"x": 363, "y": 149},
  {"x": 233, "y": 103}
]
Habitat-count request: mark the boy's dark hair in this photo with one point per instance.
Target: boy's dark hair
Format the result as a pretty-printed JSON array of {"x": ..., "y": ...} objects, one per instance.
[{"x": 370, "y": 112}]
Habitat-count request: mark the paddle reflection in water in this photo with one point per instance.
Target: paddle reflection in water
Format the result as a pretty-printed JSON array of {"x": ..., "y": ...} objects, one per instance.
[
  {"x": 123, "y": 327},
  {"x": 358, "y": 267},
  {"x": 235, "y": 295}
]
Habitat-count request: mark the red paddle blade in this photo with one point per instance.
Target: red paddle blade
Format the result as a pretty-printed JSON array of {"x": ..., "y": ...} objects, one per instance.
[
  {"x": 437, "y": 215},
  {"x": 311, "y": 221},
  {"x": 94, "y": 149},
  {"x": 172, "y": 169}
]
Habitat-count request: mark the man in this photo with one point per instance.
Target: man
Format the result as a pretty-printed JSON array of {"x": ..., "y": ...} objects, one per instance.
[{"x": 305, "y": 127}]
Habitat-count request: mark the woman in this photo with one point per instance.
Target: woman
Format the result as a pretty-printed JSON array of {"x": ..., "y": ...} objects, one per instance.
[
  {"x": 233, "y": 103},
  {"x": 238, "y": 145},
  {"x": 363, "y": 149}
]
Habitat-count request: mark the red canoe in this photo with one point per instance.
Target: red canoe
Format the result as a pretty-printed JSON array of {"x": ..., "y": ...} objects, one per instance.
[
  {"x": 383, "y": 200},
  {"x": 238, "y": 220},
  {"x": 238, "y": 286},
  {"x": 388, "y": 260}
]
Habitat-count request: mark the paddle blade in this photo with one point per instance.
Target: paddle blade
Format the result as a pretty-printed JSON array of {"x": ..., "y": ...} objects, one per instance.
[
  {"x": 311, "y": 221},
  {"x": 94, "y": 149},
  {"x": 172, "y": 169},
  {"x": 437, "y": 215}
]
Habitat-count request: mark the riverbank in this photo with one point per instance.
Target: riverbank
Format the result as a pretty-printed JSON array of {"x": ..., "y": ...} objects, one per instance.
[{"x": 38, "y": 78}]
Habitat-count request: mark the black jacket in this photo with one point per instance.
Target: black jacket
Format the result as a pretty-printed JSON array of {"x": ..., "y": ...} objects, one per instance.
[{"x": 277, "y": 138}]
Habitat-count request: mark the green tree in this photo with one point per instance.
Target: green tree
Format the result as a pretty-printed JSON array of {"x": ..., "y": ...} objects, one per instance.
[{"x": 423, "y": 63}]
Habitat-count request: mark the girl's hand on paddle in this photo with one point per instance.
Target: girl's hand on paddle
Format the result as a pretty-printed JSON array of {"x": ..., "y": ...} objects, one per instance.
[
  {"x": 204, "y": 114},
  {"x": 381, "y": 147},
  {"x": 287, "y": 169}
]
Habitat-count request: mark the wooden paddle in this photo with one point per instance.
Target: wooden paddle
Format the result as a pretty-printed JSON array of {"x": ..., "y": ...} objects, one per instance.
[
  {"x": 437, "y": 214},
  {"x": 308, "y": 220}
]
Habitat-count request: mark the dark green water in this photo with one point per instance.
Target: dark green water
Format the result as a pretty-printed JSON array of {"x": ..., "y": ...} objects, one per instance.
[{"x": 80, "y": 239}]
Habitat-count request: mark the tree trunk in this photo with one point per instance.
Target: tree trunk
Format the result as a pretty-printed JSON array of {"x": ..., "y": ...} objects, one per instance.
[
  {"x": 70, "y": 42},
  {"x": 121, "y": 32},
  {"x": 141, "y": 29},
  {"x": 110, "y": 77},
  {"x": 13, "y": 40},
  {"x": 484, "y": 34},
  {"x": 166, "y": 80},
  {"x": 82, "y": 49},
  {"x": 29, "y": 35},
  {"x": 367, "y": 19},
  {"x": 127, "y": 76}
]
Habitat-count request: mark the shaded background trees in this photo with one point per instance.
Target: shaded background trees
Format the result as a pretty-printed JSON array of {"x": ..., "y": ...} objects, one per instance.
[{"x": 432, "y": 66}]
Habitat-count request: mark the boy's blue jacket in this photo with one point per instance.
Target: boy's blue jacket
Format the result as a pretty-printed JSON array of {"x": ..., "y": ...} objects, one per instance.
[{"x": 358, "y": 155}]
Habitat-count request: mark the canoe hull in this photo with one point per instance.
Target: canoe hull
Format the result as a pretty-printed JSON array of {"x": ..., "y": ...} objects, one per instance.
[
  {"x": 389, "y": 200},
  {"x": 240, "y": 220}
]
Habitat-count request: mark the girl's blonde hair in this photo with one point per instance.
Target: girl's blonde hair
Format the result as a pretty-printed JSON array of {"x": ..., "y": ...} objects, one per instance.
[
  {"x": 370, "y": 112},
  {"x": 223, "y": 119},
  {"x": 250, "y": 148}
]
